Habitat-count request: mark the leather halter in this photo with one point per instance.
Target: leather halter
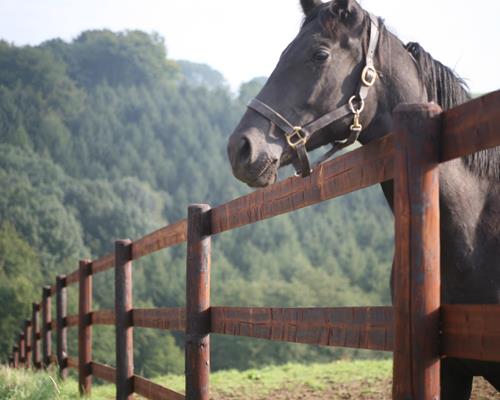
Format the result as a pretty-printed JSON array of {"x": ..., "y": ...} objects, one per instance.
[{"x": 298, "y": 136}]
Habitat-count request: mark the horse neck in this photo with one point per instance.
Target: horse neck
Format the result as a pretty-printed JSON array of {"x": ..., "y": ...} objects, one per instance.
[{"x": 399, "y": 82}]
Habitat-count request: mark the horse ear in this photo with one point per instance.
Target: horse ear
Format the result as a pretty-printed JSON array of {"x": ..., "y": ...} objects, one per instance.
[
  {"x": 345, "y": 10},
  {"x": 309, "y": 5}
]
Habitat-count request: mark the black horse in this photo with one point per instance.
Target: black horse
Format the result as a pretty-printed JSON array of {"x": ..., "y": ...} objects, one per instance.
[{"x": 333, "y": 64}]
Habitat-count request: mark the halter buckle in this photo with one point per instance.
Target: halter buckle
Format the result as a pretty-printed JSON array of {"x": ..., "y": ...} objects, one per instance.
[
  {"x": 296, "y": 138},
  {"x": 369, "y": 75}
]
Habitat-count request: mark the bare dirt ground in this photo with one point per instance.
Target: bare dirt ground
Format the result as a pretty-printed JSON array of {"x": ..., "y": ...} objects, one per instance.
[{"x": 374, "y": 389}]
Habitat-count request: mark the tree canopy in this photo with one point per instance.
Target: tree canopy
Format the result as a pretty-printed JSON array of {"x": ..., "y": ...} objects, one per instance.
[{"x": 105, "y": 137}]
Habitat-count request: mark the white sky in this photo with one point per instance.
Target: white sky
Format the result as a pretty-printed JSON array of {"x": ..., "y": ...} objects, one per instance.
[{"x": 243, "y": 39}]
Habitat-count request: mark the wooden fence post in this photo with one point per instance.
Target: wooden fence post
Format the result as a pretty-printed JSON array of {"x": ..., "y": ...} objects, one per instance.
[
  {"x": 46, "y": 326},
  {"x": 85, "y": 328},
  {"x": 22, "y": 349},
  {"x": 198, "y": 304},
  {"x": 27, "y": 338},
  {"x": 15, "y": 357},
  {"x": 416, "y": 374},
  {"x": 35, "y": 335},
  {"x": 124, "y": 329},
  {"x": 27, "y": 341},
  {"x": 61, "y": 329}
]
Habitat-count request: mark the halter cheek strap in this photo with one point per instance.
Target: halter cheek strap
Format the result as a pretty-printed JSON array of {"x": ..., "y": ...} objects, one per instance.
[{"x": 298, "y": 136}]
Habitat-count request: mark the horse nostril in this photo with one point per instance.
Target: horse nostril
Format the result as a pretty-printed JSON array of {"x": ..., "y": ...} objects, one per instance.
[{"x": 244, "y": 150}]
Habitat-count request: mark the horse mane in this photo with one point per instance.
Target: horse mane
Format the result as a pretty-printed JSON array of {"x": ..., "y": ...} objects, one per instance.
[{"x": 445, "y": 88}]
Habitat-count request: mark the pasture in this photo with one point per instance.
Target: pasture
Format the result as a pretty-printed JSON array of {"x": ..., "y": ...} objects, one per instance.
[{"x": 343, "y": 380}]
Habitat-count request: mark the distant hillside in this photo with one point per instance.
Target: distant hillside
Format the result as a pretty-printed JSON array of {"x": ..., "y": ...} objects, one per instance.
[{"x": 106, "y": 137}]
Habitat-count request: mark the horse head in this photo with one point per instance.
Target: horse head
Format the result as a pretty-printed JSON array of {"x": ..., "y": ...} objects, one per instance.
[{"x": 325, "y": 84}]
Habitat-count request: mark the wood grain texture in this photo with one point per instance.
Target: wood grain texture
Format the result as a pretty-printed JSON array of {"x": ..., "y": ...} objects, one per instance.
[
  {"x": 471, "y": 127},
  {"x": 85, "y": 327},
  {"x": 167, "y": 236},
  {"x": 61, "y": 329},
  {"x": 103, "y": 264},
  {"x": 153, "y": 391},
  {"x": 102, "y": 317},
  {"x": 103, "y": 371},
  {"x": 124, "y": 338},
  {"x": 172, "y": 319},
  {"x": 355, "y": 170},
  {"x": 355, "y": 327},
  {"x": 471, "y": 331},
  {"x": 197, "y": 337},
  {"x": 416, "y": 367}
]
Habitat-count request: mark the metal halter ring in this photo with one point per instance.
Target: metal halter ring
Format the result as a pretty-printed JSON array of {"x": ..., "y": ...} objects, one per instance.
[
  {"x": 296, "y": 137},
  {"x": 361, "y": 104}
]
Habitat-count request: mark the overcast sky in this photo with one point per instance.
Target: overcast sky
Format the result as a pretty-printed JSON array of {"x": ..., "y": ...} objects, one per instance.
[{"x": 243, "y": 39}]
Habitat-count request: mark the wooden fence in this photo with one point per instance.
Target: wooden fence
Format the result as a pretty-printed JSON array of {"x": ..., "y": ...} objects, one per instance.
[{"x": 417, "y": 329}]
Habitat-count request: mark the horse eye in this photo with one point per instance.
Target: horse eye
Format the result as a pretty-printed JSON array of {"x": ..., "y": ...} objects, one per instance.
[{"x": 321, "y": 55}]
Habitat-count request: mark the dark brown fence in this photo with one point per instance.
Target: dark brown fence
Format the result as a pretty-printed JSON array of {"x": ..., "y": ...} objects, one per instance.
[{"x": 417, "y": 329}]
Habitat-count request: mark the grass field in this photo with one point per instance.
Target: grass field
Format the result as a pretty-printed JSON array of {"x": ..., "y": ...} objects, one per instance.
[{"x": 345, "y": 380}]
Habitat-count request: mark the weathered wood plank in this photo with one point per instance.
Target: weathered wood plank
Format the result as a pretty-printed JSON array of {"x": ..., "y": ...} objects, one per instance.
[
  {"x": 471, "y": 331},
  {"x": 471, "y": 127},
  {"x": 71, "y": 320},
  {"x": 416, "y": 367},
  {"x": 153, "y": 391},
  {"x": 103, "y": 371},
  {"x": 172, "y": 319},
  {"x": 167, "y": 236},
  {"x": 104, "y": 263},
  {"x": 102, "y": 317},
  {"x": 72, "y": 362},
  {"x": 355, "y": 170},
  {"x": 72, "y": 278},
  {"x": 355, "y": 327}
]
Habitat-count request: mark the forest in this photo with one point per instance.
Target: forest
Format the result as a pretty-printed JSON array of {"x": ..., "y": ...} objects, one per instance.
[{"x": 106, "y": 137}]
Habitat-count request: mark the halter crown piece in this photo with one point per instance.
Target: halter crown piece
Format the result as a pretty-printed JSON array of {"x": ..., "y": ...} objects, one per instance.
[{"x": 297, "y": 136}]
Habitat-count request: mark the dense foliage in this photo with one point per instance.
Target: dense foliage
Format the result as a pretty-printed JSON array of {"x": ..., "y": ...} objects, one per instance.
[{"x": 105, "y": 138}]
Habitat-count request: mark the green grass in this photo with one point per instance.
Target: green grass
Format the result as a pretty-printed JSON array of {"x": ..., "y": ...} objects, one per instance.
[
  {"x": 265, "y": 380},
  {"x": 21, "y": 384}
]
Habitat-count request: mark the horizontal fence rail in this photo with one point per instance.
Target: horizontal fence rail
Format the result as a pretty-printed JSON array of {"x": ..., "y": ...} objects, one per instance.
[
  {"x": 153, "y": 391},
  {"x": 173, "y": 319},
  {"x": 72, "y": 362},
  {"x": 104, "y": 372},
  {"x": 103, "y": 317},
  {"x": 471, "y": 331},
  {"x": 463, "y": 331},
  {"x": 355, "y": 327},
  {"x": 71, "y": 320}
]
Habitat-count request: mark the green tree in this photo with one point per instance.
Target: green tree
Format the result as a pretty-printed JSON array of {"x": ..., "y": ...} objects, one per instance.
[{"x": 20, "y": 280}]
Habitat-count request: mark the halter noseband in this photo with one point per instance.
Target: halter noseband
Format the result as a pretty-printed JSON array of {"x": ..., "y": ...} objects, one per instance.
[{"x": 298, "y": 136}]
